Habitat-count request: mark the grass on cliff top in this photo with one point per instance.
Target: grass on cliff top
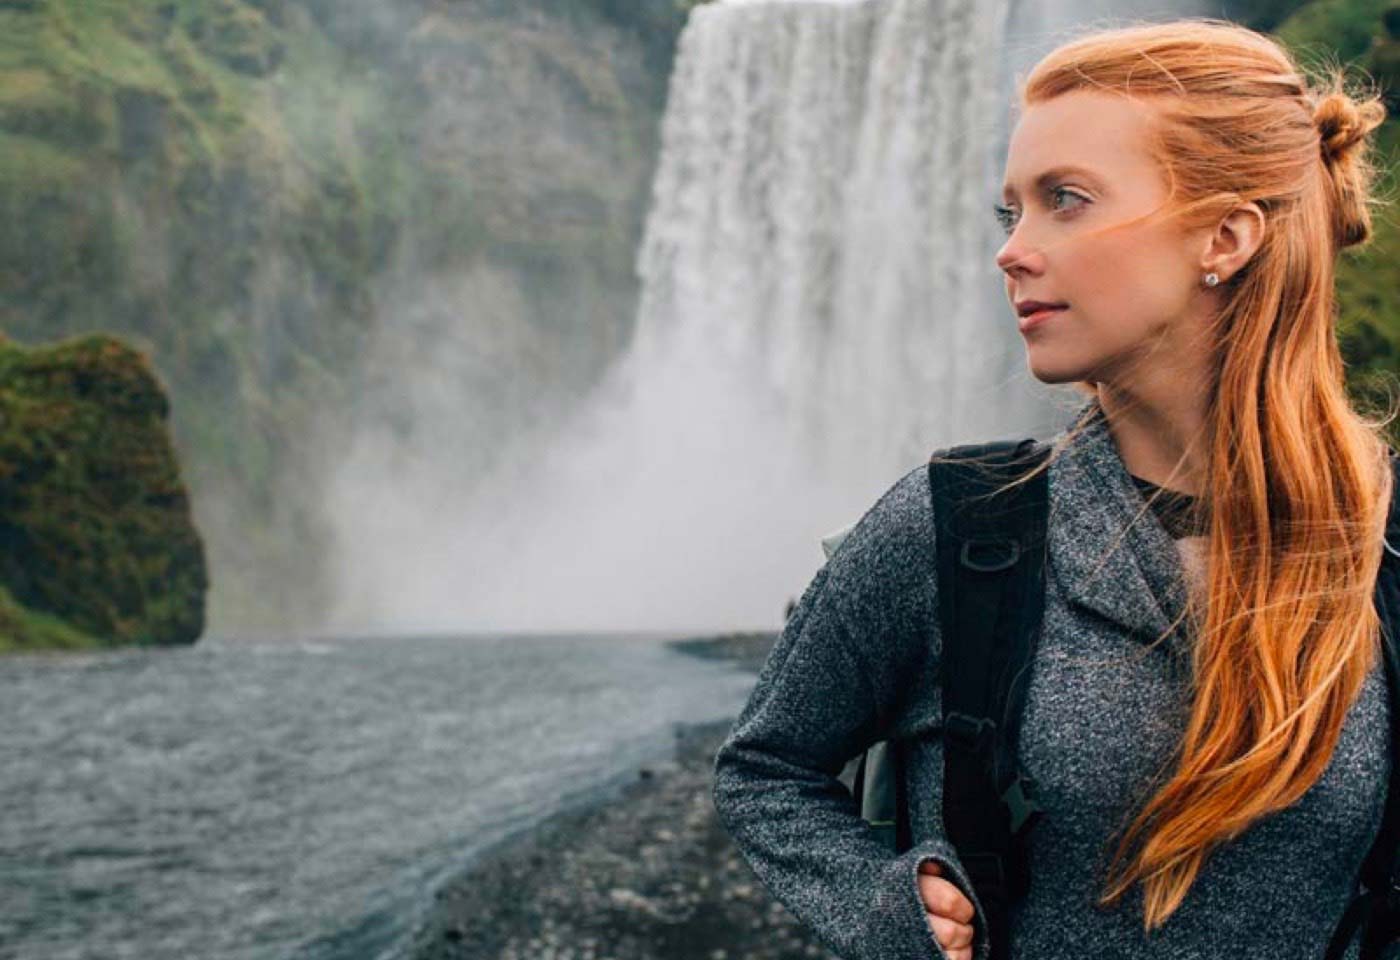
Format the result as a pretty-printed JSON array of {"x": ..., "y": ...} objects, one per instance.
[{"x": 22, "y": 629}]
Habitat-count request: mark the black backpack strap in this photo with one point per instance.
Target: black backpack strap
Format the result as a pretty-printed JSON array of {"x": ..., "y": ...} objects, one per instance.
[
  {"x": 991, "y": 564},
  {"x": 1376, "y": 910}
]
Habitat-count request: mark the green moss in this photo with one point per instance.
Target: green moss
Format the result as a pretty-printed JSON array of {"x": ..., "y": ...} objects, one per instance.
[
  {"x": 238, "y": 35},
  {"x": 96, "y": 527},
  {"x": 1342, "y": 30},
  {"x": 23, "y": 630},
  {"x": 656, "y": 23},
  {"x": 29, "y": 162}
]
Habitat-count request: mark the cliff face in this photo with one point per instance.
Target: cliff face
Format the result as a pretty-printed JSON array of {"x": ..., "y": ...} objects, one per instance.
[
  {"x": 95, "y": 524},
  {"x": 290, "y": 203}
]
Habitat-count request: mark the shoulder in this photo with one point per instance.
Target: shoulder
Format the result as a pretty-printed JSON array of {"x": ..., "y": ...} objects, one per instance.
[
  {"x": 900, "y": 521},
  {"x": 879, "y": 576},
  {"x": 902, "y": 518}
]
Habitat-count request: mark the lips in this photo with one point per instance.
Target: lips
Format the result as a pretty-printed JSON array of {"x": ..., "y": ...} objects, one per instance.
[
  {"x": 1034, "y": 314},
  {"x": 1025, "y": 308}
]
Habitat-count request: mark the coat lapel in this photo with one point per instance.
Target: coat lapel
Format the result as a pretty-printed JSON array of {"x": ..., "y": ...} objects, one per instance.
[{"x": 1107, "y": 551}]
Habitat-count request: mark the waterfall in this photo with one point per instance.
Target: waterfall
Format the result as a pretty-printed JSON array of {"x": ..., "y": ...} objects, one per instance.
[
  {"x": 822, "y": 223},
  {"x": 820, "y": 309}
]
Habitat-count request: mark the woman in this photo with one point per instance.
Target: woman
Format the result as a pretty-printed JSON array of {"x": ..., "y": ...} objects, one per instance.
[{"x": 1206, "y": 715}]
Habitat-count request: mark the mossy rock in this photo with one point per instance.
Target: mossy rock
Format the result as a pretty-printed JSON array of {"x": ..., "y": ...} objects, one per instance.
[
  {"x": 97, "y": 528},
  {"x": 22, "y": 629},
  {"x": 239, "y": 35}
]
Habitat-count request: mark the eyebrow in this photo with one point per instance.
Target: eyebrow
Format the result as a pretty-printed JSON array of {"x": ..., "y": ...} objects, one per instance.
[{"x": 1054, "y": 173}]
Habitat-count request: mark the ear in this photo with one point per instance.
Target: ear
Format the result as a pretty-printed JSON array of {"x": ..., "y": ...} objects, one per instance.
[{"x": 1234, "y": 240}]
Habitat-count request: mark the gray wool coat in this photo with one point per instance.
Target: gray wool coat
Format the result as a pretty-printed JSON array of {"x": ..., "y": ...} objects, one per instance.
[{"x": 858, "y": 662}]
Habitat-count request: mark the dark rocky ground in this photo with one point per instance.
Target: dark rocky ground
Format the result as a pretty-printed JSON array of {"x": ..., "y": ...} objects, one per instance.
[{"x": 648, "y": 875}]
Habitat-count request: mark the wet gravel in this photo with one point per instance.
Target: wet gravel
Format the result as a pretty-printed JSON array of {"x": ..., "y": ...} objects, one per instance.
[{"x": 649, "y": 874}]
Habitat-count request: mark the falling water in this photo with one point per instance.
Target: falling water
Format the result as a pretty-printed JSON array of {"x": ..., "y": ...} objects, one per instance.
[
  {"x": 821, "y": 224},
  {"x": 820, "y": 310}
]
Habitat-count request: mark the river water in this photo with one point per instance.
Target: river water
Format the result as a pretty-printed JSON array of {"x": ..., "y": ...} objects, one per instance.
[{"x": 257, "y": 800}]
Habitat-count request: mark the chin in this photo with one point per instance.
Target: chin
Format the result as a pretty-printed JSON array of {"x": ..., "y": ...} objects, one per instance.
[{"x": 1049, "y": 371}]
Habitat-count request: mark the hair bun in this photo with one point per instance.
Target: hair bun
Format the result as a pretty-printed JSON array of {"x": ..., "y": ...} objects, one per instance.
[{"x": 1342, "y": 124}]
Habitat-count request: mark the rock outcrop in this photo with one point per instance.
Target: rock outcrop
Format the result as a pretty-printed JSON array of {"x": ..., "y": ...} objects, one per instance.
[{"x": 96, "y": 534}]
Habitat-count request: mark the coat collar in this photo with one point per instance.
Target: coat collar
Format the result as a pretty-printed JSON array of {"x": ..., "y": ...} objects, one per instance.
[{"x": 1107, "y": 550}]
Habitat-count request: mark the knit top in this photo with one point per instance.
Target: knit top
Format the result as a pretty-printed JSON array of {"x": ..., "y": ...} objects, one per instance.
[
  {"x": 1174, "y": 510},
  {"x": 1106, "y": 707}
]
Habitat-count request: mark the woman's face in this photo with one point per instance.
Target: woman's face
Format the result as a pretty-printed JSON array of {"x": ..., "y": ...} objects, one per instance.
[{"x": 1078, "y": 169}]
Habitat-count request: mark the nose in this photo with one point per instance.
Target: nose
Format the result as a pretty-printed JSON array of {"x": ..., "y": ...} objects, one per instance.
[{"x": 1014, "y": 256}]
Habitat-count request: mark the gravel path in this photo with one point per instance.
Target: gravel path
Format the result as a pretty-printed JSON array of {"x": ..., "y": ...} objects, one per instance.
[{"x": 648, "y": 875}]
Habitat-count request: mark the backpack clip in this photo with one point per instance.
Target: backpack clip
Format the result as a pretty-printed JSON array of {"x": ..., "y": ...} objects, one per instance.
[
  {"x": 1020, "y": 800},
  {"x": 1010, "y": 552},
  {"x": 969, "y": 734}
]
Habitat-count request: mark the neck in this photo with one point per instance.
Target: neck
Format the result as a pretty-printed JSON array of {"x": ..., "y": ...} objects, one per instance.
[{"x": 1159, "y": 430}]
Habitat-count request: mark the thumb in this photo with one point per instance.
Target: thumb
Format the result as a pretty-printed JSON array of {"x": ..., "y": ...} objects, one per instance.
[{"x": 931, "y": 866}]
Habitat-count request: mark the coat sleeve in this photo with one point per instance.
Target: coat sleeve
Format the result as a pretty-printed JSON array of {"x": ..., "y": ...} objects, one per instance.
[{"x": 861, "y": 632}]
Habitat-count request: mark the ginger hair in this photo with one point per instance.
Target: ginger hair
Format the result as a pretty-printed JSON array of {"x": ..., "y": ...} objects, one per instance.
[{"x": 1298, "y": 482}]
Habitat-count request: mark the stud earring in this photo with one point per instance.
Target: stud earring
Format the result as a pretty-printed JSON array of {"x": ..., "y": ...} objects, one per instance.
[{"x": 1211, "y": 279}]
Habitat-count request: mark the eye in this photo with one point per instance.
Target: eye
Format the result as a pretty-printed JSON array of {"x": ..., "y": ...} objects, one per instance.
[
  {"x": 1006, "y": 216},
  {"x": 1057, "y": 191}
]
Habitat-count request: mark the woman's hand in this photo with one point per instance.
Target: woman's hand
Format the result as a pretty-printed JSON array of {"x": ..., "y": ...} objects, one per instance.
[{"x": 949, "y": 913}]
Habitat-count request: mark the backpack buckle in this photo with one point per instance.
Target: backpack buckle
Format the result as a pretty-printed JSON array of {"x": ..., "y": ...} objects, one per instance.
[
  {"x": 996, "y": 555},
  {"x": 1020, "y": 800},
  {"x": 969, "y": 734}
]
